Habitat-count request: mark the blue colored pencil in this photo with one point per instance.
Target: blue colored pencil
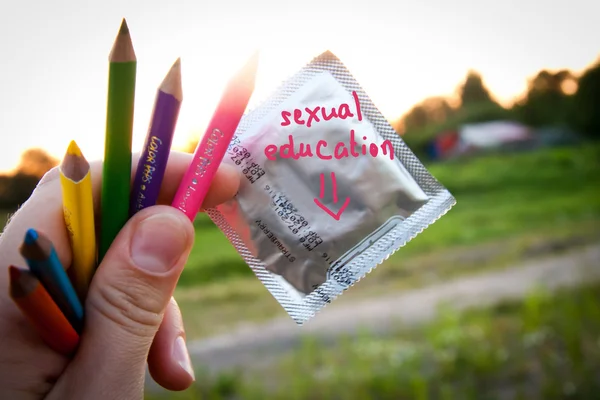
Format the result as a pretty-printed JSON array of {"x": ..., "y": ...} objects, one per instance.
[{"x": 43, "y": 262}]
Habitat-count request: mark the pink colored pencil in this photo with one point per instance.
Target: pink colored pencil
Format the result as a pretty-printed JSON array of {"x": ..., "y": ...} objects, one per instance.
[{"x": 211, "y": 149}]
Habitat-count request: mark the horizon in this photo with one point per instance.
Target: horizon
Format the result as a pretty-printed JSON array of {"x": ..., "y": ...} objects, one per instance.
[{"x": 66, "y": 99}]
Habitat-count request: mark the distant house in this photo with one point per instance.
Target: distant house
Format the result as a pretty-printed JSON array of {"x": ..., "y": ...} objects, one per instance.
[{"x": 474, "y": 138}]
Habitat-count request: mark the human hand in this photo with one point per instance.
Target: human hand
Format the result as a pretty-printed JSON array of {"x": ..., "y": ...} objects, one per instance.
[{"x": 130, "y": 315}]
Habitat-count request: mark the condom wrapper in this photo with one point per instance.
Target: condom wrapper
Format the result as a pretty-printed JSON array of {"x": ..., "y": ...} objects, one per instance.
[{"x": 328, "y": 191}]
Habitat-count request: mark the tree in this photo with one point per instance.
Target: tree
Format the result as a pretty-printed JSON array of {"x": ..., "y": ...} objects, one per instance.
[
  {"x": 586, "y": 102},
  {"x": 432, "y": 110},
  {"x": 16, "y": 188},
  {"x": 548, "y": 82},
  {"x": 415, "y": 119},
  {"x": 473, "y": 90},
  {"x": 438, "y": 109},
  {"x": 547, "y": 100},
  {"x": 36, "y": 162}
]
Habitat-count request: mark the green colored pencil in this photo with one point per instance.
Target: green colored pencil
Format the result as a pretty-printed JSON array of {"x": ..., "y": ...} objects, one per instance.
[{"x": 116, "y": 177}]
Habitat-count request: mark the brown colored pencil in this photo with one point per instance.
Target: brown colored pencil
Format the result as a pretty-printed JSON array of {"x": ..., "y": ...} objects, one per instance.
[{"x": 37, "y": 305}]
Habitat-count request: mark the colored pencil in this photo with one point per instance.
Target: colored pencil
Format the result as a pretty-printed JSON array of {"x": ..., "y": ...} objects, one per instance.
[
  {"x": 43, "y": 313},
  {"x": 212, "y": 147},
  {"x": 116, "y": 175},
  {"x": 78, "y": 209},
  {"x": 43, "y": 262},
  {"x": 153, "y": 160}
]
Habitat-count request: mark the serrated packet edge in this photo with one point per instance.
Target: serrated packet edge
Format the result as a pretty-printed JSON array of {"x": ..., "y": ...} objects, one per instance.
[{"x": 439, "y": 203}]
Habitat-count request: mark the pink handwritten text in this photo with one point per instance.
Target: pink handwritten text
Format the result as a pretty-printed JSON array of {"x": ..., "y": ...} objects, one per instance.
[
  {"x": 341, "y": 149},
  {"x": 343, "y": 111}
]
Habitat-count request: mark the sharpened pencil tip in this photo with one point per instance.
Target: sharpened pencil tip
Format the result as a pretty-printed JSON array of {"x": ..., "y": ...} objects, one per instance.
[
  {"x": 122, "y": 50},
  {"x": 252, "y": 64},
  {"x": 248, "y": 71},
  {"x": 175, "y": 71},
  {"x": 73, "y": 149},
  {"x": 14, "y": 273},
  {"x": 31, "y": 236},
  {"x": 172, "y": 82},
  {"x": 124, "y": 30}
]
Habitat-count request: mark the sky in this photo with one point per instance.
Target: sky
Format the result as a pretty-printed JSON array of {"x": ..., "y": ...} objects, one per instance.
[{"x": 54, "y": 69}]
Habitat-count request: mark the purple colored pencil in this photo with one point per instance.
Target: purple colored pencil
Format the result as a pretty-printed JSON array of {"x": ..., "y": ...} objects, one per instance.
[{"x": 153, "y": 160}]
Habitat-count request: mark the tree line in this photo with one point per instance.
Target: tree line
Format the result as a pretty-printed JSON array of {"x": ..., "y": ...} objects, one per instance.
[
  {"x": 16, "y": 187},
  {"x": 552, "y": 98}
]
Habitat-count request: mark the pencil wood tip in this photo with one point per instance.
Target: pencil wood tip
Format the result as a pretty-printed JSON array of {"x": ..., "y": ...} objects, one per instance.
[
  {"x": 252, "y": 64},
  {"x": 124, "y": 29},
  {"x": 172, "y": 82},
  {"x": 175, "y": 70},
  {"x": 14, "y": 273},
  {"x": 31, "y": 236},
  {"x": 256, "y": 55},
  {"x": 21, "y": 282},
  {"x": 122, "y": 50},
  {"x": 36, "y": 246},
  {"x": 74, "y": 150},
  {"x": 250, "y": 68},
  {"x": 74, "y": 166}
]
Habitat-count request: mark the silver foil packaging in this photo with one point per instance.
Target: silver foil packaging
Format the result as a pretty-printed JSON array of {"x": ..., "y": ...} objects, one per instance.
[{"x": 329, "y": 190}]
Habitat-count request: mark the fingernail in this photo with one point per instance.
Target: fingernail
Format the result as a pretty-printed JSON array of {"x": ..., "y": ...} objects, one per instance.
[
  {"x": 182, "y": 356},
  {"x": 158, "y": 242}
]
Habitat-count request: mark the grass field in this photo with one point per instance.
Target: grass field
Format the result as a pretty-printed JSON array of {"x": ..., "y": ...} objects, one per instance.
[
  {"x": 507, "y": 205},
  {"x": 546, "y": 347}
]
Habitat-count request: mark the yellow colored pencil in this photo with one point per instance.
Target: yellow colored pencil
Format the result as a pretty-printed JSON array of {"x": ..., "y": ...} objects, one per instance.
[{"x": 78, "y": 207}]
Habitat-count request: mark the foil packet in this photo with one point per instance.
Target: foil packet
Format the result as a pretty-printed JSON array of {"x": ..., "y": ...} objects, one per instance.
[{"x": 329, "y": 190}]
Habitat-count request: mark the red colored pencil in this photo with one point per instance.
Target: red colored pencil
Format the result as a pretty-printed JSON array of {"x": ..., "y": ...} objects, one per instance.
[{"x": 37, "y": 305}]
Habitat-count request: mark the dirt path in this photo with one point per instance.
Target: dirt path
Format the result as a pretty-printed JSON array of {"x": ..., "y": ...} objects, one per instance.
[{"x": 260, "y": 344}]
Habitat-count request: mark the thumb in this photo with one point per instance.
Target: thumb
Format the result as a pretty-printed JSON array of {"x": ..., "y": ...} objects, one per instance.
[{"x": 126, "y": 302}]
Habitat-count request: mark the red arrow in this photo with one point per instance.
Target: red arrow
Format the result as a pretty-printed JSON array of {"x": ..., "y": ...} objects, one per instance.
[{"x": 335, "y": 198}]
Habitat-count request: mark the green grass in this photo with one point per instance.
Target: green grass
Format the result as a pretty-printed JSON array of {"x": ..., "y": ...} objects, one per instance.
[
  {"x": 544, "y": 347},
  {"x": 4, "y": 215},
  {"x": 213, "y": 258},
  {"x": 503, "y": 195}
]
